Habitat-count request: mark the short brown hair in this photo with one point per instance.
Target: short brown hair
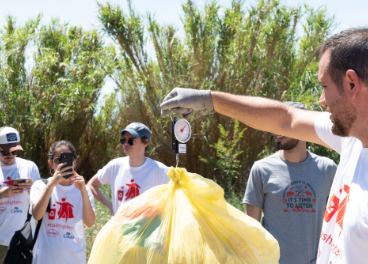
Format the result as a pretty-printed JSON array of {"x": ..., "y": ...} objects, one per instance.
[
  {"x": 349, "y": 50},
  {"x": 143, "y": 139}
]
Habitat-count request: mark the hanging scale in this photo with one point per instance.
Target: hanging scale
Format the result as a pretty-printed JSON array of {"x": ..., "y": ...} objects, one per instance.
[{"x": 181, "y": 133}]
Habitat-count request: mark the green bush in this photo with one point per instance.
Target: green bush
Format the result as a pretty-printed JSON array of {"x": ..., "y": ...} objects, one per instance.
[
  {"x": 52, "y": 95},
  {"x": 51, "y": 75},
  {"x": 252, "y": 50}
]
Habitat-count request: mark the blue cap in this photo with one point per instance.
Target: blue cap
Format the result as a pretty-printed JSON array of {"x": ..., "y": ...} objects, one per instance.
[{"x": 137, "y": 130}]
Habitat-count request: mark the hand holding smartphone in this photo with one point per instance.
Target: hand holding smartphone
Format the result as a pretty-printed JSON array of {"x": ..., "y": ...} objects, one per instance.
[
  {"x": 17, "y": 181},
  {"x": 68, "y": 158}
]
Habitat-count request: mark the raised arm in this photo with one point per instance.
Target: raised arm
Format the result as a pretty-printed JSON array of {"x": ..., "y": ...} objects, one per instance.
[
  {"x": 39, "y": 207},
  {"x": 89, "y": 216},
  {"x": 268, "y": 115},
  {"x": 260, "y": 113}
]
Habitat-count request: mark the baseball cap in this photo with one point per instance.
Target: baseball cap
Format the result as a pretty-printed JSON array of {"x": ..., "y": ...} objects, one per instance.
[
  {"x": 137, "y": 130},
  {"x": 9, "y": 139},
  {"x": 296, "y": 105}
]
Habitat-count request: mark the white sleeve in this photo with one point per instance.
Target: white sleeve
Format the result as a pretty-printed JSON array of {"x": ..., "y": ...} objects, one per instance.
[
  {"x": 106, "y": 174},
  {"x": 323, "y": 126},
  {"x": 36, "y": 191},
  {"x": 35, "y": 175}
]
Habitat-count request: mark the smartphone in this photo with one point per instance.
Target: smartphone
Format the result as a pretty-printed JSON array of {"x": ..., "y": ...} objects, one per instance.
[
  {"x": 68, "y": 158},
  {"x": 17, "y": 181}
]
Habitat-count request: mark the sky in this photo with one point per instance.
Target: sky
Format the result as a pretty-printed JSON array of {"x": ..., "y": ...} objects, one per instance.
[{"x": 83, "y": 13}]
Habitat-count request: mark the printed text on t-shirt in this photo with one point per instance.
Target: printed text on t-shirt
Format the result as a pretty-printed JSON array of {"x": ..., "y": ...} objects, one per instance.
[{"x": 299, "y": 196}]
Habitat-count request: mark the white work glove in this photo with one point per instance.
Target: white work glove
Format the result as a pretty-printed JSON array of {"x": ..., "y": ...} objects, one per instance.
[{"x": 184, "y": 100}]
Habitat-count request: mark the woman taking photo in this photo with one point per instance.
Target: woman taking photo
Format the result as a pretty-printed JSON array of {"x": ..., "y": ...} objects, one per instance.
[{"x": 61, "y": 237}]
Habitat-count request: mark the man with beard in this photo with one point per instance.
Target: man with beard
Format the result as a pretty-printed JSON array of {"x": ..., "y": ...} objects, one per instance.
[
  {"x": 291, "y": 187},
  {"x": 343, "y": 74},
  {"x": 16, "y": 178}
]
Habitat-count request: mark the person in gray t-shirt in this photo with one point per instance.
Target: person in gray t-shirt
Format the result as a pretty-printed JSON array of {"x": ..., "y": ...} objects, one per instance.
[{"x": 291, "y": 187}]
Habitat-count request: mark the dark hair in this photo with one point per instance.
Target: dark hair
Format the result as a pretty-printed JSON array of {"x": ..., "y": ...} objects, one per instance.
[
  {"x": 59, "y": 144},
  {"x": 348, "y": 50},
  {"x": 143, "y": 140}
]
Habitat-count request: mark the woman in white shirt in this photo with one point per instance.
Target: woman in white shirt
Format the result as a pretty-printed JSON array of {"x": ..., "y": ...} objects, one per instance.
[{"x": 61, "y": 238}]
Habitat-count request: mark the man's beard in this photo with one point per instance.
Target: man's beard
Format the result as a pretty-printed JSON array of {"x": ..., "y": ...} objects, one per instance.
[
  {"x": 343, "y": 118},
  {"x": 290, "y": 144}
]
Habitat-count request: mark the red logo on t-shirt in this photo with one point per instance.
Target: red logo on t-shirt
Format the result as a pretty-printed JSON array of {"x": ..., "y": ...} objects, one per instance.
[
  {"x": 52, "y": 232},
  {"x": 52, "y": 213},
  {"x": 335, "y": 206},
  {"x": 121, "y": 194},
  {"x": 331, "y": 208},
  {"x": 299, "y": 196},
  {"x": 133, "y": 190},
  {"x": 65, "y": 210},
  {"x": 342, "y": 207},
  {"x": 9, "y": 181}
]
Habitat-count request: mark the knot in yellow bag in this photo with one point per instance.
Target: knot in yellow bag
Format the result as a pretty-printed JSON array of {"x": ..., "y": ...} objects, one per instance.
[{"x": 184, "y": 221}]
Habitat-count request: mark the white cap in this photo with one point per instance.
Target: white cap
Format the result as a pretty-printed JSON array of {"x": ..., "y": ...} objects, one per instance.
[{"x": 9, "y": 139}]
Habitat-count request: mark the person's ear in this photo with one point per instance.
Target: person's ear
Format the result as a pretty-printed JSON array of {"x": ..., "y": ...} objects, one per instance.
[
  {"x": 354, "y": 83},
  {"x": 322, "y": 99},
  {"x": 50, "y": 164}
]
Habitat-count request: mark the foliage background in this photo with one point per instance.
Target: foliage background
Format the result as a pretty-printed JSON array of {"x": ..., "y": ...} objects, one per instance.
[
  {"x": 51, "y": 74},
  {"x": 265, "y": 50}
]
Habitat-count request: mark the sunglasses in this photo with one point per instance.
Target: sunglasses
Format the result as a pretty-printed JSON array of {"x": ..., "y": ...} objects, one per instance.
[
  {"x": 4, "y": 153},
  {"x": 130, "y": 141},
  {"x": 57, "y": 160}
]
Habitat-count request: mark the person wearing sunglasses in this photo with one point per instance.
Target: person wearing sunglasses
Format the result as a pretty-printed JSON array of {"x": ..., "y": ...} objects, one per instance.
[
  {"x": 61, "y": 238},
  {"x": 132, "y": 175},
  {"x": 16, "y": 178}
]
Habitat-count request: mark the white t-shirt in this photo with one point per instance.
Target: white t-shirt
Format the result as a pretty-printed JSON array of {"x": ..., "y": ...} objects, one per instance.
[
  {"x": 344, "y": 236},
  {"x": 13, "y": 210},
  {"x": 128, "y": 182},
  {"x": 61, "y": 238}
]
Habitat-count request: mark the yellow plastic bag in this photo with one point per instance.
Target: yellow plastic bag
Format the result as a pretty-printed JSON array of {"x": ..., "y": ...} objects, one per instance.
[{"x": 184, "y": 221}]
